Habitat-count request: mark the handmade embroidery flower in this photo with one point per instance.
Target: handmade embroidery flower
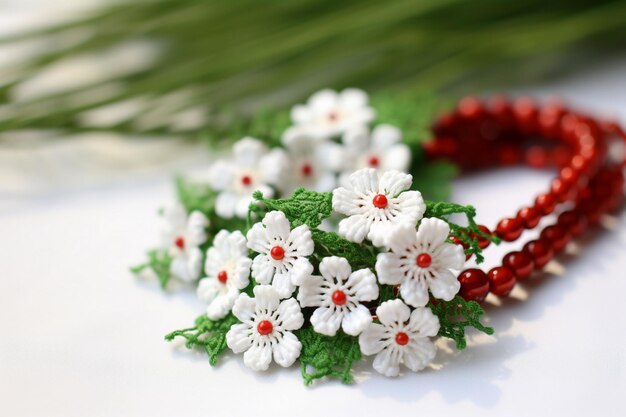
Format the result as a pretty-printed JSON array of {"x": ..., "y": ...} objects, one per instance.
[
  {"x": 182, "y": 234},
  {"x": 330, "y": 113},
  {"x": 402, "y": 337},
  {"x": 381, "y": 149},
  {"x": 338, "y": 294},
  {"x": 265, "y": 329},
  {"x": 420, "y": 261},
  {"x": 227, "y": 269},
  {"x": 251, "y": 168},
  {"x": 282, "y": 251},
  {"x": 376, "y": 203},
  {"x": 313, "y": 161}
]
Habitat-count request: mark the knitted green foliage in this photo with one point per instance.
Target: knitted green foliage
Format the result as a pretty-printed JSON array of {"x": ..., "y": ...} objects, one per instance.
[
  {"x": 331, "y": 244},
  {"x": 304, "y": 207},
  {"x": 455, "y": 316},
  {"x": 469, "y": 234},
  {"x": 159, "y": 262},
  {"x": 327, "y": 356},
  {"x": 207, "y": 334},
  {"x": 196, "y": 196}
]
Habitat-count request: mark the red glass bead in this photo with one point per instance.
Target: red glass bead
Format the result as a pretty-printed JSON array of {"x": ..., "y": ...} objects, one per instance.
[
  {"x": 520, "y": 263},
  {"x": 529, "y": 216},
  {"x": 373, "y": 162},
  {"x": 180, "y": 242},
  {"x": 573, "y": 221},
  {"x": 525, "y": 112},
  {"x": 501, "y": 281},
  {"x": 569, "y": 175},
  {"x": 561, "y": 189},
  {"x": 265, "y": 327},
  {"x": 474, "y": 284},
  {"x": 277, "y": 253},
  {"x": 423, "y": 260},
  {"x": 222, "y": 277},
  {"x": 483, "y": 242},
  {"x": 557, "y": 235},
  {"x": 592, "y": 210},
  {"x": 536, "y": 157},
  {"x": 307, "y": 169},
  {"x": 339, "y": 297},
  {"x": 509, "y": 229},
  {"x": 402, "y": 338},
  {"x": 540, "y": 250},
  {"x": 380, "y": 201},
  {"x": 545, "y": 203},
  {"x": 509, "y": 155},
  {"x": 246, "y": 180},
  {"x": 470, "y": 108}
]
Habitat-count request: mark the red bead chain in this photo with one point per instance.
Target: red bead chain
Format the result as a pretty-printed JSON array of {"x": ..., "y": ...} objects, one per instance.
[{"x": 497, "y": 132}]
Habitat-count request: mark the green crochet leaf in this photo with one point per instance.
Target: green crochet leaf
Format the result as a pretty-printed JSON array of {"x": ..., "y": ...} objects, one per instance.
[
  {"x": 196, "y": 196},
  {"x": 159, "y": 262},
  {"x": 455, "y": 316},
  {"x": 207, "y": 334},
  {"x": 304, "y": 207},
  {"x": 323, "y": 356}
]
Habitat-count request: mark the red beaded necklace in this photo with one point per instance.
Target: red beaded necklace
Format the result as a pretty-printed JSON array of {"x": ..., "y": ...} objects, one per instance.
[{"x": 480, "y": 134}]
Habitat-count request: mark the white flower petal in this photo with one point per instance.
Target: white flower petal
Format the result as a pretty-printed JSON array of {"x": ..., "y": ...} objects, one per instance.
[
  {"x": 354, "y": 228},
  {"x": 245, "y": 309},
  {"x": 326, "y": 320},
  {"x": 283, "y": 285},
  {"x": 238, "y": 338},
  {"x": 221, "y": 175},
  {"x": 451, "y": 256},
  {"x": 401, "y": 238},
  {"x": 365, "y": 181},
  {"x": 411, "y": 206},
  {"x": 196, "y": 228},
  {"x": 300, "y": 240},
  {"x": 444, "y": 285},
  {"x": 353, "y": 98},
  {"x": 222, "y": 305},
  {"x": 266, "y": 298},
  {"x": 257, "y": 239},
  {"x": 356, "y": 320},
  {"x": 384, "y": 136},
  {"x": 418, "y": 354},
  {"x": 434, "y": 231},
  {"x": 345, "y": 201},
  {"x": 287, "y": 350},
  {"x": 289, "y": 315},
  {"x": 301, "y": 271},
  {"x": 323, "y": 100},
  {"x": 387, "y": 362},
  {"x": 335, "y": 267},
  {"x": 277, "y": 225},
  {"x": 258, "y": 357},
  {"x": 362, "y": 285},
  {"x": 208, "y": 289},
  {"x": 388, "y": 269},
  {"x": 309, "y": 292},
  {"x": 194, "y": 265},
  {"x": 274, "y": 165},
  {"x": 414, "y": 292},
  {"x": 392, "y": 312},
  {"x": 356, "y": 138},
  {"x": 248, "y": 151},
  {"x": 242, "y": 205},
  {"x": 393, "y": 183},
  {"x": 397, "y": 157},
  {"x": 263, "y": 269},
  {"x": 424, "y": 322},
  {"x": 373, "y": 339},
  {"x": 225, "y": 204},
  {"x": 301, "y": 114}
]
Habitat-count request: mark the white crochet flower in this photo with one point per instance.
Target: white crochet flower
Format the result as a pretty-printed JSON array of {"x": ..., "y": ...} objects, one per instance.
[
  {"x": 314, "y": 161},
  {"x": 338, "y": 294},
  {"x": 381, "y": 149},
  {"x": 265, "y": 329},
  {"x": 183, "y": 234},
  {"x": 251, "y": 168},
  {"x": 331, "y": 113},
  {"x": 227, "y": 269},
  {"x": 402, "y": 337},
  {"x": 376, "y": 203},
  {"x": 420, "y": 261},
  {"x": 282, "y": 251}
]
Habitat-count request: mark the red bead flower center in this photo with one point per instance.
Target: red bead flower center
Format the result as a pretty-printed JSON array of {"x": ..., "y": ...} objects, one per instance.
[
  {"x": 264, "y": 327},
  {"x": 332, "y": 116},
  {"x": 373, "y": 161},
  {"x": 380, "y": 201},
  {"x": 222, "y": 276},
  {"x": 180, "y": 242},
  {"x": 307, "y": 169},
  {"x": 246, "y": 180},
  {"x": 423, "y": 260},
  {"x": 277, "y": 253},
  {"x": 402, "y": 338},
  {"x": 339, "y": 297}
]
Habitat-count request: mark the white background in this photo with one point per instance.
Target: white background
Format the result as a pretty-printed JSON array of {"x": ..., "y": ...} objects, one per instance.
[{"x": 79, "y": 336}]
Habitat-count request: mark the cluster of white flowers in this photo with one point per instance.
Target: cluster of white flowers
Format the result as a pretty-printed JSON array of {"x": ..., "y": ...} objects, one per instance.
[
  {"x": 381, "y": 208},
  {"x": 329, "y": 139}
]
